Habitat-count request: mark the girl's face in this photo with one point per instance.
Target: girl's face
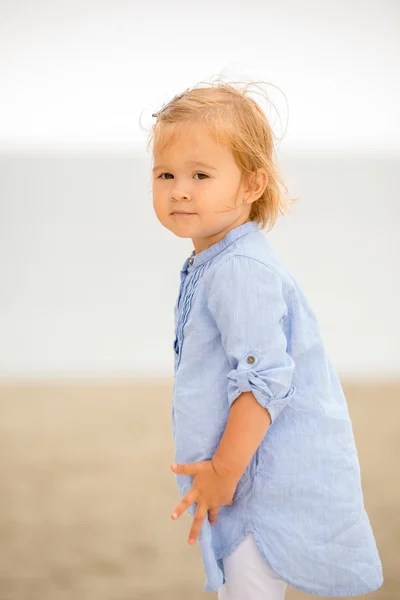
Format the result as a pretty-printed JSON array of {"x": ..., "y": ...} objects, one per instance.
[{"x": 196, "y": 175}]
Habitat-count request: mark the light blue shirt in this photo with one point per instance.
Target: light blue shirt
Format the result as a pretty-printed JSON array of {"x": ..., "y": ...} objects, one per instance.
[{"x": 244, "y": 324}]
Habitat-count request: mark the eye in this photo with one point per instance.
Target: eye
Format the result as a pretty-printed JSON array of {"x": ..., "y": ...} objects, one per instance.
[{"x": 161, "y": 176}]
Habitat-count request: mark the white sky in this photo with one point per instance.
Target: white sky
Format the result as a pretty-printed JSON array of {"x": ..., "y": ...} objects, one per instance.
[{"x": 77, "y": 75}]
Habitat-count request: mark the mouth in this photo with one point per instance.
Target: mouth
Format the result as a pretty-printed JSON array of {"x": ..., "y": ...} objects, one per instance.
[{"x": 180, "y": 213}]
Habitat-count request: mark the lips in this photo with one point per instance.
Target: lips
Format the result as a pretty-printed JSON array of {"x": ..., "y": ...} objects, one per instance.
[{"x": 181, "y": 212}]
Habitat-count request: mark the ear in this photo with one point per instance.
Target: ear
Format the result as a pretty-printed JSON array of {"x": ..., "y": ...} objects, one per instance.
[{"x": 256, "y": 184}]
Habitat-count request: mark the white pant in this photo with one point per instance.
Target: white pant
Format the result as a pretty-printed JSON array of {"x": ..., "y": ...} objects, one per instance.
[{"x": 248, "y": 576}]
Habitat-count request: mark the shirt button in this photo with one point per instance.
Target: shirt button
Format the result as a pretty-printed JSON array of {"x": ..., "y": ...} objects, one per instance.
[
  {"x": 251, "y": 360},
  {"x": 191, "y": 260}
]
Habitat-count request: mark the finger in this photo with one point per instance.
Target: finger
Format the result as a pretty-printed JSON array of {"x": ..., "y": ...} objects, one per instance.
[
  {"x": 198, "y": 521},
  {"x": 184, "y": 504},
  {"x": 185, "y": 468},
  {"x": 212, "y": 515}
]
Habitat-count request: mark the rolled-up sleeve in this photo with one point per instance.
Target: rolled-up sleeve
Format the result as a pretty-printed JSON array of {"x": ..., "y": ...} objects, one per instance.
[{"x": 247, "y": 303}]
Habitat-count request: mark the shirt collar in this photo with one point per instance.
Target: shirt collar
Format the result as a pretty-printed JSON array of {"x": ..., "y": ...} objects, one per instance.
[{"x": 196, "y": 260}]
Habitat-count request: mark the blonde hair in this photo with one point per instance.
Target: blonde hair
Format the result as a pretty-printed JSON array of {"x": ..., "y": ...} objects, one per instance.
[{"x": 236, "y": 121}]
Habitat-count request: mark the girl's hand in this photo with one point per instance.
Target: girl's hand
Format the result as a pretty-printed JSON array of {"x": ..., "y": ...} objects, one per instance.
[{"x": 210, "y": 489}]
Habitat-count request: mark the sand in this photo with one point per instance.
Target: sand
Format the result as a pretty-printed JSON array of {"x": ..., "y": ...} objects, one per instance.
[{"x": 86, "y": 491}]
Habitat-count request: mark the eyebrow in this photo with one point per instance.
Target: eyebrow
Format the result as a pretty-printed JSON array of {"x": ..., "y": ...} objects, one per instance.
[{"x": 189, "y": 162}]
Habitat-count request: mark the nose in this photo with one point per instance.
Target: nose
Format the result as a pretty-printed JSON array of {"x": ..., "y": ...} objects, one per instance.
[
  {"x": 178, "y": 195},
  {"x": 179, "y": 190}
]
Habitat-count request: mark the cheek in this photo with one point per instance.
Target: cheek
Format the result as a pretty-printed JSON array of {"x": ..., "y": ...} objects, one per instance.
[
  {"x": 157, "y": 194},
  {"x": 157, "y": 204}
]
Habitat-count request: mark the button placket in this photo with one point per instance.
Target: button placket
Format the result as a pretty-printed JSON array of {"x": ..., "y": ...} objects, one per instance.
[
  {"x": 186, "y": 306},
  {"x": 184, "y": 280},
  {"x": 184, "y": 313}
]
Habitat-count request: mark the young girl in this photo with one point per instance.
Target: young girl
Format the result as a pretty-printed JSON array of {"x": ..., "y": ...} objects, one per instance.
[{"x": 266, "y": 459}]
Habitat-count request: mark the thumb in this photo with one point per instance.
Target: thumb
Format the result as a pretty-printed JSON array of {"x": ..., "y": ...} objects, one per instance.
[
  {"x": 181, "y": 469},
  {"x": 185, "y": 468}
]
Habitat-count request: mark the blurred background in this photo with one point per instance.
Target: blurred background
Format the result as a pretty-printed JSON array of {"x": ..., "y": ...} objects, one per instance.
[{"x": 89, "y": 277}]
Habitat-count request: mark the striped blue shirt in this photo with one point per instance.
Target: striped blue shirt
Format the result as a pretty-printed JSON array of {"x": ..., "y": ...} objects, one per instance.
[{"x": 243, "y": 323}]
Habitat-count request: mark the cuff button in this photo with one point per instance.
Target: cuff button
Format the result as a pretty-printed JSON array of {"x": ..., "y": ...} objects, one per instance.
[{"x": 251, "y": 360}]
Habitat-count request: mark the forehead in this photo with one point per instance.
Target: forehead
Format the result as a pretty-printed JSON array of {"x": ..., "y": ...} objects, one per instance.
[{"x": 191, "y": 141}]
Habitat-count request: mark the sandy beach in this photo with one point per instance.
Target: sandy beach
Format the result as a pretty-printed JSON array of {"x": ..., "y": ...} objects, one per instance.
[{"x": 86, "y": 491}]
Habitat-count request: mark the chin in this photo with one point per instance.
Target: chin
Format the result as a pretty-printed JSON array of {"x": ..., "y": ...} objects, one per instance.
[
  {"x": 182, "y": 234},
  {"x": 176, "y": 229}
]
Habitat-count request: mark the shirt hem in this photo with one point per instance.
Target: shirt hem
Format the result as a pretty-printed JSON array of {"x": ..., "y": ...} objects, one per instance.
[
  {"x": 292, "y": 584},
  {"x": 307, "y": 590}
]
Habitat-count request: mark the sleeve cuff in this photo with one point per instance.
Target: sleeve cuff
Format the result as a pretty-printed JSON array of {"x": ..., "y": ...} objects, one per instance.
[{"x": 271, "y": 388}]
